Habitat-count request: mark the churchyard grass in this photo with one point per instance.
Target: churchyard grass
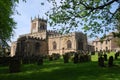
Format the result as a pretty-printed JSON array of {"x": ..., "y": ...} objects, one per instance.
[{"x": 58, "y": 70}]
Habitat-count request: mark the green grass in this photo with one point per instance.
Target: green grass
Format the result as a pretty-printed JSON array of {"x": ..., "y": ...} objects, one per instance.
[{"x": 57, "y": 70}]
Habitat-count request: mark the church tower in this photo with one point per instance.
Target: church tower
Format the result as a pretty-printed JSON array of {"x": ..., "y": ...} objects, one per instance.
[{"x": 38, "y": 25}]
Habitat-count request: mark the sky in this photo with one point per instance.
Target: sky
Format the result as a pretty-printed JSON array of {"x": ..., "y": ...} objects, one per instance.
[{"x": 27, "y": 10}]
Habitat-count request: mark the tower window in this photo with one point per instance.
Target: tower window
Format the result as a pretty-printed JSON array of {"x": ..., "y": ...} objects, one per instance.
[
  {"x": 42, "y": 27},
  {"x": 80, "y": 45},
  {"x": 54, "y": 45},
  {"x": 69, "y": 44}
]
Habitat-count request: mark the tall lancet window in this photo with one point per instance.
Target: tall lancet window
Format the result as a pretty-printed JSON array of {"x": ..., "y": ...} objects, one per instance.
[
  {"x": 69, "y": 44},
  {"x": 54, "y": 45},
  {"x": 42, "y": 26}
]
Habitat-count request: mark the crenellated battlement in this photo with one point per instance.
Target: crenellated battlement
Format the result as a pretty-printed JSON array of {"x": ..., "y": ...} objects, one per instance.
[
  {"x": 61, "y": 35},
  {"x": 41, "y": 31},
  {"x": 39, "y": 19},
  {"x": 38, "y": 25},
  {"x": 51, "y": 32},
  {"x": 41, "y": 41},
  {"x": 34, "y": 37},
  {"x": 55, "y": 35}
]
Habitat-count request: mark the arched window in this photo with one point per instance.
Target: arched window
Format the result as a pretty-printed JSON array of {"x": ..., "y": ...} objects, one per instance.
[
  {"x": 42, "y": 26},
  {"x": 54, "y": 45},
  {"x": 69, "y": 44}
]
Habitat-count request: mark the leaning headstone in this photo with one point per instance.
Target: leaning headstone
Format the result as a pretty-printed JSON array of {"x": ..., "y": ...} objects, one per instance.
[
  {"x": 110, "y": 62},
  {"x": 101, "y": 61}
]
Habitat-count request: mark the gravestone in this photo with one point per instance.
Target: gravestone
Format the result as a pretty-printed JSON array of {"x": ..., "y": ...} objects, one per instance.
[
  {"x": 66, "y": 58},
  {"x": 101, "y": 61},
  {"x": 110, "y": 61},
  {"x": 75, "y": 59},
  {"x": 116, "y": 55},
  {"x": 105, "y": 57}
]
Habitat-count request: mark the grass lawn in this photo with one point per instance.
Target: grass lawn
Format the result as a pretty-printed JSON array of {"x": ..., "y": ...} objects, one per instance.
[{"x": 57, "y": 70}]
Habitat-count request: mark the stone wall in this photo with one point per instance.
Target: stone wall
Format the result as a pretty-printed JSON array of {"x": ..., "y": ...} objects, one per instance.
[
  {"x": 31, "y": 46},
  {"x": 61, "y": 41}
]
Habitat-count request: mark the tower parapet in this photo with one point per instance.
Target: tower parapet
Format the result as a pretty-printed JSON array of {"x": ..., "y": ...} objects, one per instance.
[{"x": 38, "y": 24}]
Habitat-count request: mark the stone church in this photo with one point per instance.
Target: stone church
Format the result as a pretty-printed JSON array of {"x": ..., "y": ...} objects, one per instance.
[{"x": 42, "y": 41}]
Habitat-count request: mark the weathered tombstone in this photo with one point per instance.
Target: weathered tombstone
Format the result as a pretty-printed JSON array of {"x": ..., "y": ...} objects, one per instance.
[
  {"x": 89, "y": 57},
  {"x": 75, "y": 59},
  {"x": 101, "y": 61},
  {"x": 116, "y": 55},
  {"x": 66, "y": 58},
  {"x": 105, "y": 57},
  {"x": 15, "y": 65},
  {"x": 110, "y": 62},
  {"x": 81, "y": 58},
  {"x": 86, "y": 57}
]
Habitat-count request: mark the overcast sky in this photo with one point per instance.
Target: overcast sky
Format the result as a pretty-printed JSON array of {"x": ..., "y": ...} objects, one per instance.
[{"x": 27, "y": 10}]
